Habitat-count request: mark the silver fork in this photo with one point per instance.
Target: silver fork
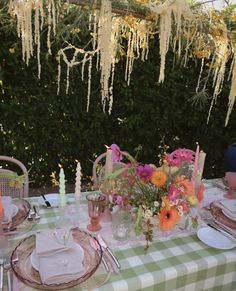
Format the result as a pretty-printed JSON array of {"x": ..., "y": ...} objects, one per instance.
[
  {"x": 7, "y": 268},
  {"x": 36, "y": 216},
  {"x": 1, "y": 273},
  {"x": 31, "y": 214}
]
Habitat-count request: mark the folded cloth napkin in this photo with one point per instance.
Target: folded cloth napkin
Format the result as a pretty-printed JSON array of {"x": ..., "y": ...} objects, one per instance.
[
  {"x": 229, "y": 205},
  {"x": 58, "y": 263},
  {"x": 8, "y": 214}
]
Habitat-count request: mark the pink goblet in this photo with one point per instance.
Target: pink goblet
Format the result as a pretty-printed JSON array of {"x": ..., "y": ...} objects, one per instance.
[
  {"x": 96, "y": 203},
  {"x": 230, "y": 178}
]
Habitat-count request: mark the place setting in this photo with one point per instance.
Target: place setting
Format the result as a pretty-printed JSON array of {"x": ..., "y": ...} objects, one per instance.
[
  {"x": 220, "y": 217},
  {"x": 65, "y": 256},
  {"x": 61, "y": 258},
  {"x": 55, "y": 259},
  {"x": 18, "y": 216}
]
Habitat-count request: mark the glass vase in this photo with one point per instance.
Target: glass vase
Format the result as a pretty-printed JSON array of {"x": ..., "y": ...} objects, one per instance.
[{"x": 121, "y": 224}]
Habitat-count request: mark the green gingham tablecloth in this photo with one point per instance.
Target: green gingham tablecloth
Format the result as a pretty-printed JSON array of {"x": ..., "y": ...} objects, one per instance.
[{"x": 178, "y": 263}]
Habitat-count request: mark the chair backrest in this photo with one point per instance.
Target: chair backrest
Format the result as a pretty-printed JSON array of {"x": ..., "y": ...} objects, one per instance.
[
  {"x": 99, "y": 175},
  {"x": 9, "y": 184}
]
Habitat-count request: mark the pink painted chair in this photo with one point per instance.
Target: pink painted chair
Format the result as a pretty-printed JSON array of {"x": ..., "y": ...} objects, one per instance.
[
  {"x": 10, "y": 183},
  {"x": 99, "y": 168}
]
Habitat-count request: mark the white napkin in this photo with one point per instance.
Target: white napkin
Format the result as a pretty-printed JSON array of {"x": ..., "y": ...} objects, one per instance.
[
  {"x": 58, "y": 263},
  {"x": 229, "y": 205},
  {"x": 8, "y": 214},
  {"x": 211, "y": 195}
]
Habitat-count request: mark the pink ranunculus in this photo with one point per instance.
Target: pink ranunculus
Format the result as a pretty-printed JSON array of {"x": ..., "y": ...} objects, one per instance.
[
  {"x": 173, "y": 193},
  {"x": 116, "y": 153},
  {"x": 178, "y": 157},
  {"x": 118, "y": 200},
  {"x": 145, "y": 172},
  {"x": 184, "y": 205}
]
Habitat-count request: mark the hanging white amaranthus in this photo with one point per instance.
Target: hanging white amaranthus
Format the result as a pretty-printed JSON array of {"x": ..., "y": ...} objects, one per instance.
[
  {"x": 105, "y": 48},
  {"x": 24, "y": 11},
  {"x": 118, "y": 35},
  {"x": 180, "y": 10},
  {"x": 232, "y": 94}
]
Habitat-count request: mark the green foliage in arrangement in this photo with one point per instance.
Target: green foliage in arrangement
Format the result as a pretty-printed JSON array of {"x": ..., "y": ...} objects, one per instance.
[{"x": 43, "y": 129}]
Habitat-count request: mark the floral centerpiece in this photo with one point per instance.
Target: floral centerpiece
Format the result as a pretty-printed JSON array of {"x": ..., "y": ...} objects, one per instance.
[{"x": 161, "y": 196}]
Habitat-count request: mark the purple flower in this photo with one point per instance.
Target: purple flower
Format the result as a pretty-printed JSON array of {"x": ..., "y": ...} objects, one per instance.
[
  {"x": 118, "y": 200},
  {"x": 145, "y": 172},
  {"x": 116, "y": 153}
]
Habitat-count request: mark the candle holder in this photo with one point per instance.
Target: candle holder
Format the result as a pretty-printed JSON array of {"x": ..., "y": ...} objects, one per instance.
[
  {"x": 230, "y": 178},
  {"x": 96, "y": 203},
  {"x": 82, "y": 215}
]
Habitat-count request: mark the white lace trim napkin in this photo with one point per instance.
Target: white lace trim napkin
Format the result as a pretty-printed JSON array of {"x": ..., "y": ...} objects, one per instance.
[
  {"x": 229, "y": 205},
  {"x": 58, "y": 263},
  {"x": 8, "y": 208}
]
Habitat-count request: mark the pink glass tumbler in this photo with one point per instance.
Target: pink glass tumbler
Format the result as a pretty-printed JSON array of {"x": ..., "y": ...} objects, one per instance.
[
  {"x": 230, "y": 178},
  {"x": 96, "y": 204}
]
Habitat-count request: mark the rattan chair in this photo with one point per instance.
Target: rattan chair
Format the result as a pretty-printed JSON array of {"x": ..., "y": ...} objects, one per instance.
[
  {"x": 12, "y": 184},
  {"x": 99, "y": 168}
]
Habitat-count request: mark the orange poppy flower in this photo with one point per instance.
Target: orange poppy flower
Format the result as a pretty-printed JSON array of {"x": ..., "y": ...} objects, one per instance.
[
  {"x": 168, "y": 218},
  {"x": 187, "y": 186},
  {"x": 158, "y": 178}
]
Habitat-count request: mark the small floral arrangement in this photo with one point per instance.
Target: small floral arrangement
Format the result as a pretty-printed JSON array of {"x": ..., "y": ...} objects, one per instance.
[
  {"x": 15, "y": 180},
  {"x": 161, "y": 195}
]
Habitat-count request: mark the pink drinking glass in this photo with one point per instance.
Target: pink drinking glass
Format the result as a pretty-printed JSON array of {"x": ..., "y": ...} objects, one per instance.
[
  {"x": 230, "y": 178},
  {"x": 96, "y": 204}
]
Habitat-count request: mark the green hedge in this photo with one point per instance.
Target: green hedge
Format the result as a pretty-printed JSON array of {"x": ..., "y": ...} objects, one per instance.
[{"x": 42, "y": 129}]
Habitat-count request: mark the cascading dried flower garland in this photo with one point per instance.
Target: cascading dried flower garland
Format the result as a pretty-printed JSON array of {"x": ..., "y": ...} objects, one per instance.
[
  {"x": 108, "y": 30},
  {"x": 173, "y": 20},
  {"x": 23, "y": 10}
]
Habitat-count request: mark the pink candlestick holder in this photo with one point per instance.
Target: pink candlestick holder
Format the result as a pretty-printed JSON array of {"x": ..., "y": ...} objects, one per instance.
[
  {"x": 96, "y": 204},
  {"x": 230, "y": 178}
]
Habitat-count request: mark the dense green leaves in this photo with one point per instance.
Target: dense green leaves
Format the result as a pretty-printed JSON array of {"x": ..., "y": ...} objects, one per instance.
[{"x": 43, "y": 129}]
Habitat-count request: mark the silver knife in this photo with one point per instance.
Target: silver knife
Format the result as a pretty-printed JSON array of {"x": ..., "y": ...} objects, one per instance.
[
  {"x": 222, "y": 231},
  {"x": 106, "y": 248},
  {"x": 1, "y": 274},
  {"x": 94, "y": 244}
]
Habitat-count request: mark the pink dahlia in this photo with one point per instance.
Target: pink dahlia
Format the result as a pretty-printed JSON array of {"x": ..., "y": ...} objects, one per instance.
[{"x": 145, "y": 172}]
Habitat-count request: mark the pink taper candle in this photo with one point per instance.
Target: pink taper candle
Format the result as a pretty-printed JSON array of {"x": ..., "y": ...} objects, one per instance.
[
  {"x": 201, "y": 162},
  {"x": 195, "y": 170},
  {"x": 109, "y": 163}
]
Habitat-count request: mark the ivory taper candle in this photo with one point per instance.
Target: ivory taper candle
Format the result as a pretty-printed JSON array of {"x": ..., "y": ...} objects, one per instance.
[
  {"x": 62, "y": 188},
  {"x": 78, "y": 181}
]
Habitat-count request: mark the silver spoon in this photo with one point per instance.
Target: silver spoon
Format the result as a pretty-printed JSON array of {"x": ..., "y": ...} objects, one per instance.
[{"x": 36, "y": 216}]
